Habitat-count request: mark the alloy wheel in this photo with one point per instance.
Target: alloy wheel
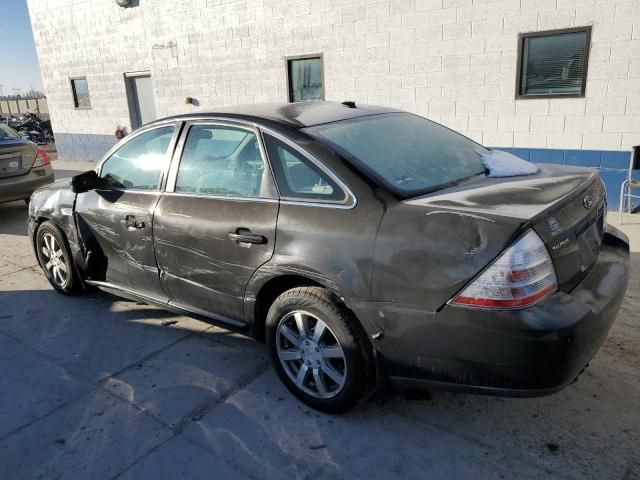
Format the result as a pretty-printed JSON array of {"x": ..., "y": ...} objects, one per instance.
[
  {"x": 54, "y": 261},
  {"x": 311, "y": 354}
]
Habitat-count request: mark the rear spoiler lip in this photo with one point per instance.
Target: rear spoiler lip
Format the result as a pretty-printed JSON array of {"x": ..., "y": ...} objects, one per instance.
[{"x": 562, "y": 201}]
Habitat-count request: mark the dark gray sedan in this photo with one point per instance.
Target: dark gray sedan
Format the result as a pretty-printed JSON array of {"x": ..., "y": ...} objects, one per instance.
[
  {"x": 365, "y": 245},
  {"x": 24, "y": 167}
]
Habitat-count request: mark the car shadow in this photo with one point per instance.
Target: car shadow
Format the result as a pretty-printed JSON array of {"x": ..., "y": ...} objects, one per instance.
[
  {"x": 60, "y": 174},
  {"x": 13, "y": 218}
]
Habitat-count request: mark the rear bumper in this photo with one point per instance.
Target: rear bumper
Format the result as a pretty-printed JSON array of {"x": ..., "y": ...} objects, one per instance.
[
  {"x": 19, "y": 188},
  {"x": 530, "y": 352}
]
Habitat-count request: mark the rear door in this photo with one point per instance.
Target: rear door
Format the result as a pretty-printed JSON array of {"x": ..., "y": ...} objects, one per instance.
[
  {"x": 115, "y": 221},
  {"x": 216, "y": 223}
]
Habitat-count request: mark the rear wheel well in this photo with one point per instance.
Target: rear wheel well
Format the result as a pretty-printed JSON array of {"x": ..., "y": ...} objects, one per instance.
[{"x": 272, "y": 290}]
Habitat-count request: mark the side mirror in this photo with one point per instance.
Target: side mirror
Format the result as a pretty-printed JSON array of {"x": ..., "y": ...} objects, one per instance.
[{"x": 85, "y": 182}]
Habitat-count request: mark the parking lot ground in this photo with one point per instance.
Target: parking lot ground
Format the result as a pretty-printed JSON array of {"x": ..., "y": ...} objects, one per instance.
[{"x": 96, "y": 387}]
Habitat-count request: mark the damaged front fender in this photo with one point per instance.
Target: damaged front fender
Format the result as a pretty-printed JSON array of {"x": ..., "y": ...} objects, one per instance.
[{"x": 56, "y": 203}]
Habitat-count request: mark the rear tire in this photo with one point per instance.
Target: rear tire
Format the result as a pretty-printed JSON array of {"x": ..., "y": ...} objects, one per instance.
[
  {"x": 318, "y": 349},
  {"x": 55, "y": 259}
]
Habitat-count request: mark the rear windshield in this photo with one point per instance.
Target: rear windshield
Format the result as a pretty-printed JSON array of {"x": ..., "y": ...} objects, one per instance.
[
  {"x": 409, "y": 154},
  {"x": 7, "y": 133}
]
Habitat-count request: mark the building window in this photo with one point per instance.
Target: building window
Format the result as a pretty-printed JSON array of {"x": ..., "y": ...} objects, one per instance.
[
  {"x": 80, "y": 90},
  {"x": 305, "y": 76},
  {"x": 553, "y": 63}
]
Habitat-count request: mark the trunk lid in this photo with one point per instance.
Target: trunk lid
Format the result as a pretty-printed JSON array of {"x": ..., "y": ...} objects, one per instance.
[
  {"x": 16, "y": 157},
  {"x": 573, "y": 232},
  {"x": 565, "y": 206}
]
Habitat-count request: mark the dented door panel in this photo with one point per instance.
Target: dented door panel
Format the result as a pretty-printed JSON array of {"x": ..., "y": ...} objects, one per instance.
[
  {"x": 201, "y": 264},
  {"x": 116, "y": 226}
]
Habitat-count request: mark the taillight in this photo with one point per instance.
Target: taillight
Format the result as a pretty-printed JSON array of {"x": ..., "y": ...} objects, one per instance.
[
  {"x": 42, "y": 158},
  {"x": 521, "y": 276}
]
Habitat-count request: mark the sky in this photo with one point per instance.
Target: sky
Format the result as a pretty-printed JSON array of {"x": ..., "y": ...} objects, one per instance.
[{"x": 18, "y": 61}]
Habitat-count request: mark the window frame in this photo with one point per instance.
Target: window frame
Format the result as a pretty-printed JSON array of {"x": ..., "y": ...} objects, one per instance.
[
  {"x": 172, "y": 177},
  {"x": 549, "y": 33},
  {"x": 177, "y": 128},
  {"x": 287, "y": 65},
  {"x": 74, "y": 95}
]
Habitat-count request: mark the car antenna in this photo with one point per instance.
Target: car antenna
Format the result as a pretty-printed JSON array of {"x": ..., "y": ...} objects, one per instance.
[{"x": 349, "y": 103}]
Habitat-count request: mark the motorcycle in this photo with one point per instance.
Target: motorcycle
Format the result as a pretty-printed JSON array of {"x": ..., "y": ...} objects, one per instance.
[
  {"x": 31, "y": 127},
  {"x": 34, "y": 136}
]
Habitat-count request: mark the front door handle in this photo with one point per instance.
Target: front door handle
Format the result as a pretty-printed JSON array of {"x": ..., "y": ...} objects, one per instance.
[
  {"x": 132, "y": 224},
  {"x": 246, "y": 237}
]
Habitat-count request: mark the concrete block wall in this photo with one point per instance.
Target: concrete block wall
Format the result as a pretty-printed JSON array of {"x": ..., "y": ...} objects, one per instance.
[{"x": 453, "y": 61}]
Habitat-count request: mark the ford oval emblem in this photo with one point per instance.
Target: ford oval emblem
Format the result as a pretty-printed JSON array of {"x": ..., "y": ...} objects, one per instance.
[{"x": 587, "y": 202}]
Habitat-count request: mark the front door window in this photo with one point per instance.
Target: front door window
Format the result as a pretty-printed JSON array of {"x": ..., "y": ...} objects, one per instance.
[{"x": 139, "y": 163}]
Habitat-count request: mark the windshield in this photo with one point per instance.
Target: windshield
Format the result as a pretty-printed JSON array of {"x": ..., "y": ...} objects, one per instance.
[
  {"x": 409, "y": 154},
  {"x": 7, "y": 133}
]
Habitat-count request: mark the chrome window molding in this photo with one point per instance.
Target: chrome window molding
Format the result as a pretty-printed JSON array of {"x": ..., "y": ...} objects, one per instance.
[
  {"x": 221, "y": 197},
  {"x": 132, "y": 190},
  {"x": 339, "y": 206}
]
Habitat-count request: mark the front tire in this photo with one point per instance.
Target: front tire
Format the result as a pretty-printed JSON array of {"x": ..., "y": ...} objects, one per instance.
[
  {"x": 55, "y": 259},
  {"x": 318, "y": 349}
]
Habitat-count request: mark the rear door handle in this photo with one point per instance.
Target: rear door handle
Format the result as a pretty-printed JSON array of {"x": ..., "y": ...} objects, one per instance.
[
  {"x": 132, "y": 224},
  {"x": 247, "y": 237}
]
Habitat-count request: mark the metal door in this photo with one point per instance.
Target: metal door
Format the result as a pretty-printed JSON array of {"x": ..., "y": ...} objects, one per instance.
[{"x": 142, "y": 107}]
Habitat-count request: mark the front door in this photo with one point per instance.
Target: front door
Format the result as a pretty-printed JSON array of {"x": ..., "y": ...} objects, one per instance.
[
  {"x": 142, "y": 107},
  {"x": 215, "y": 225},
  {"x": 115, "y": 221}
]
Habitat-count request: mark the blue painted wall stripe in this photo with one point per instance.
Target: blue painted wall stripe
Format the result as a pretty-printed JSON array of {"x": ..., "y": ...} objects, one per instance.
[{"x": 612, "y": 165}]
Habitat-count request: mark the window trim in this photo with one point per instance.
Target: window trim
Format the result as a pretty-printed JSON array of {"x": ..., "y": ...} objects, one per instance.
[
  {"x": 287, "y": 67},
  {"x": 176, "y": 159},
  {"x": 177, "y": 128},
  {"x": 548, "y": 33},
  {"x": 74, "y": 96}
]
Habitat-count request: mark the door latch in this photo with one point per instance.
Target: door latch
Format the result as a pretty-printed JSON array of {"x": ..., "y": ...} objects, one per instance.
[
  {"x": 133, "y": 224},
  {"x": 244, "y": 236}
]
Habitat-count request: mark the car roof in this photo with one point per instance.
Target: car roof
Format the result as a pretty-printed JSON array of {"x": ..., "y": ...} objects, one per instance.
[{"x": 298, "y": 114}]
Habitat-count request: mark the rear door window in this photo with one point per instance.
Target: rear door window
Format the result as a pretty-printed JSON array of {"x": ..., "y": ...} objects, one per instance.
[
  {"x": 298, "y": 177},
  {"x": 225, "y": 161}
]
